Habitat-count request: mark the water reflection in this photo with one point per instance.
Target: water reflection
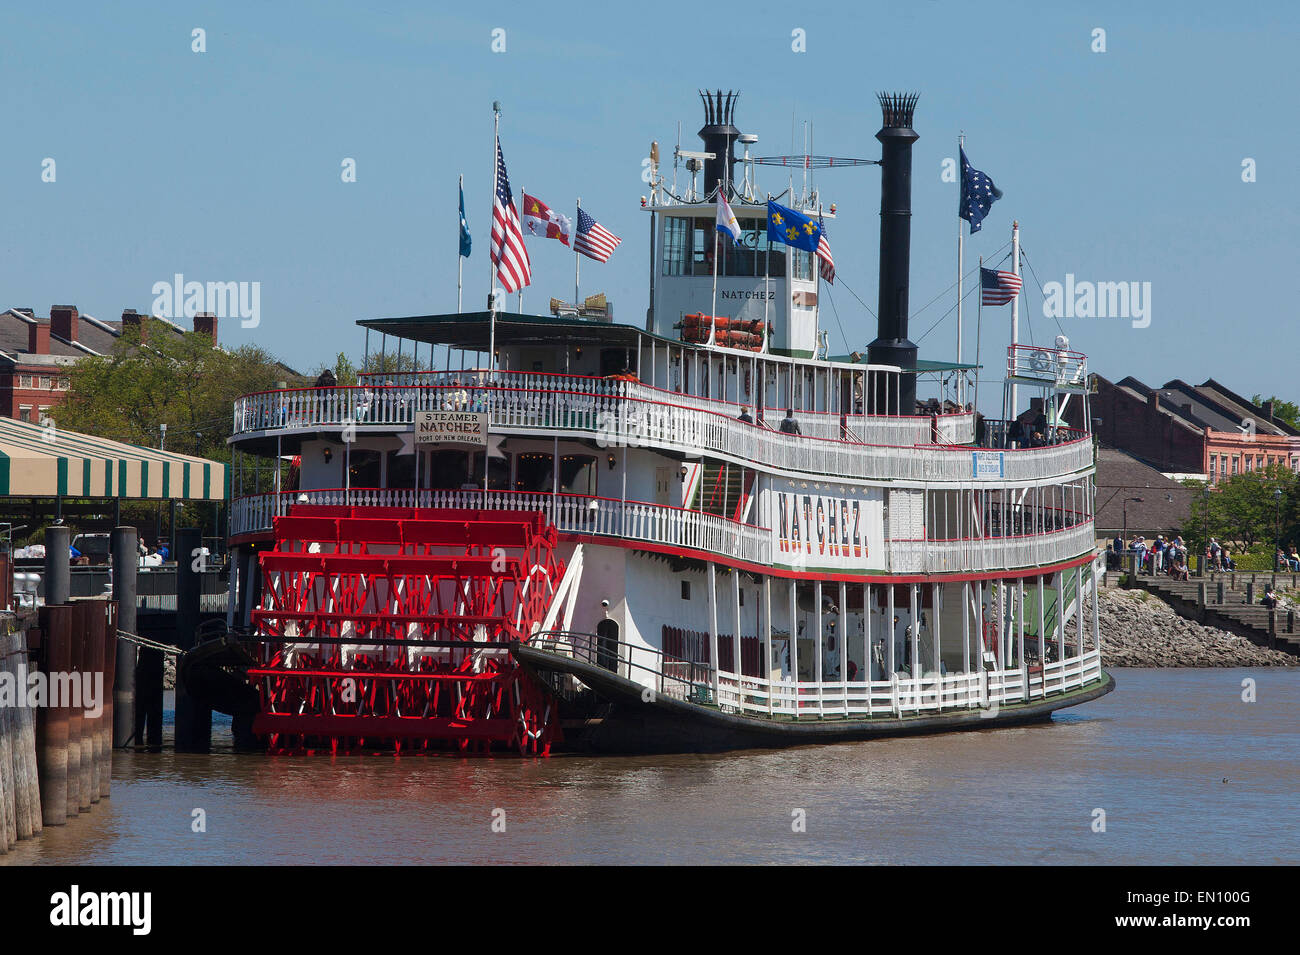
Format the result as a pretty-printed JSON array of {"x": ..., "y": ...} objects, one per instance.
[{"x": 1152, "y": 755}]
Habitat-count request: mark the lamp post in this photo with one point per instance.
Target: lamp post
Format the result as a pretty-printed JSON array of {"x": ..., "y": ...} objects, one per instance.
[
  {"x": 1125, "y": 509},
  {"x": 1205, "y": 503},
  {"x": 1277, "y": 525}
]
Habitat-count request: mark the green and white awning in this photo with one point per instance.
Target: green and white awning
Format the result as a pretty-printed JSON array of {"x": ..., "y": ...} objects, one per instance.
[{"x": 38, "y": 461}]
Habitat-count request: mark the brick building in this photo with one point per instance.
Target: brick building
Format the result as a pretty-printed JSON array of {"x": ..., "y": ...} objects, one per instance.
[
  {"x": 1189, "y": 431},
  {"x": 36, "y": 353}
]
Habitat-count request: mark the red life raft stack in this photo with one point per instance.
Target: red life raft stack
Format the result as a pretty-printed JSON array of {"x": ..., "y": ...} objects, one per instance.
[
  {"x": 743, "y": 333},
  {"x": 389, "y": 628}
]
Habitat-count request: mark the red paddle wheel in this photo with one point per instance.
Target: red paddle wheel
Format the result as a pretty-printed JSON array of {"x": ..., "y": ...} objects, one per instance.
[{"x": 389, "y": 628}]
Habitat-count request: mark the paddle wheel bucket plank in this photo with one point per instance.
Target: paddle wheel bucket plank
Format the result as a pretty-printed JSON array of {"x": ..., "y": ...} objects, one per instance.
[{"x": 389, "y": 628}]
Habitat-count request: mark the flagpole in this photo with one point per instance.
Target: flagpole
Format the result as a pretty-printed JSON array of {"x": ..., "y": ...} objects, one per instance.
[
  {"x": 1015, "y": 309},
  {"x": 522, "y": 203},
  {"x": 460, "y": 259},
  {"x": 961, "y": 373},
  {"x": 577, "y": 258},
  {"x": 767, "y": 282},
  {"x": 713, "y": 309},
  {"x": 492, "y": 312},
  {"x": 979, "y": 318}
]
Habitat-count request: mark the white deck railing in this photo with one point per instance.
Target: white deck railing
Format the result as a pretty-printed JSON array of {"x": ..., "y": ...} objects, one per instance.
[
  {"x": 990, "y": 553},
  {"x": 932, "y": 693},
  {"x": 611, "y": 416},
  {"x": 674, "y": 527},
  {"x": 570, "y": 513}
]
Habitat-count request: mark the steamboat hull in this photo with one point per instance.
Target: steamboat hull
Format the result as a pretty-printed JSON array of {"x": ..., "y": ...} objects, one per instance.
[{"x": 626, "y": 720}]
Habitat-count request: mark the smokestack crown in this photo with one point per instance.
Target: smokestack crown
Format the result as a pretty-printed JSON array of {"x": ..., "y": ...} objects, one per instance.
[{"x": 719, "y": 134}]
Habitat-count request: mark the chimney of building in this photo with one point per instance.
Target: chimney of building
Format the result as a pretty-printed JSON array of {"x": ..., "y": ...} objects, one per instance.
[
  {"x": 719, "y": 135},
  {"x": 38, "y": 338},
  {"x": 892, "y": 346},
  {"x": 63, "y": 321},
  {"x": 205, "y": 323},
  {"x": 1153, "y": 400},
  {"x": 133, "y": 319},
  {"x": 1268, "y": 410}
]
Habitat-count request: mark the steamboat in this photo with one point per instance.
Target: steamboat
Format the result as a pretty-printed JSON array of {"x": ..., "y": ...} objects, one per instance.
[{"x": 700, "y": 532}]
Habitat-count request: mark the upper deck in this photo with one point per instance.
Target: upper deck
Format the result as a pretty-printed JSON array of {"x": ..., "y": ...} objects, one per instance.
[{"x": 679, "y": 398}]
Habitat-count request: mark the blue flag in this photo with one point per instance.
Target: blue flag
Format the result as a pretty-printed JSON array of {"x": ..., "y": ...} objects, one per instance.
[
  {"x": 792, "y": 228},
  {"x": 977, "y": 194},
  {"x": 464, "y": 226}
]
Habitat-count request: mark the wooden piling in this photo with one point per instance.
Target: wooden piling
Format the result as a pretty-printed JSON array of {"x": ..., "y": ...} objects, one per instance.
[
  {"x": 52, "y": 721},
  {"x": 8, "y": 810},
  {"x": 95, "y": 648},
  {"x": 76, "y": 658},
  {"x": 110, "y": 677},
  {"x": 22, "y": 739},
  {"x": 82, "y": 621}
]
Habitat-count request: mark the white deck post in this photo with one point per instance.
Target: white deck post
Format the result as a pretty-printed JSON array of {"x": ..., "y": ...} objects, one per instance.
[
  {"x": 735, "y": 643},
  {"x": 868, "y": 660},
  {"x": 794, "y": 646},
  {"x": 891, "y": 631},
  {"x": 818, "y": 651},
  {"x": 713, "y": 631},
  {"x": 965, "y": 626},
  {"x": 936, "y": 598},
  {"x": 915, "y": 649},
  {"x": 1060, "y": 621},
  {"x": 1078, "y": 608},
  {"x": 1020, "y": 640},
  {"x": 765, "y": 671},
  {"x": 1042, "y": 639},
  {"x": 1096, "y": 612},
  {"x": 844, "y": 642}
]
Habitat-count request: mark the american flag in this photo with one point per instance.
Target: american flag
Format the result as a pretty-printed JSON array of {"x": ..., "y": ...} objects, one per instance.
[
  {"x": 998, "y": 287},
  {"x": 825, "y": 263},
  {"x": 977, "y": 194},
  {"x": 594, "y": 240},
  {"x": 508, "y": 252}
]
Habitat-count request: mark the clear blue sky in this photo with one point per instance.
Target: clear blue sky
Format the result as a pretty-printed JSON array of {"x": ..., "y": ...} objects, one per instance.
[{"x": 225, "y": 165}]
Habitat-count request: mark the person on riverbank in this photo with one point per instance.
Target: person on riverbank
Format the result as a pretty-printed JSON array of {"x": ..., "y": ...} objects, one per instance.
[{"x": 1158, "y": 548}]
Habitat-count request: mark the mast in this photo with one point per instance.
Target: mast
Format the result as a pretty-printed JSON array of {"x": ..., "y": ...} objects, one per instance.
[
  {"x": 1015, "y": 308},
  {"x": 961, "y": 248}
]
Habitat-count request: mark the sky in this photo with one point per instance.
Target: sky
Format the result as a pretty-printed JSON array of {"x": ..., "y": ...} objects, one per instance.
[{"x": 226, "y": 165}]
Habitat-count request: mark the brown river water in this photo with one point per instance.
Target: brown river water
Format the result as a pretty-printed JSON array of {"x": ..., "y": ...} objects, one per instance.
[{"x": 1185, "y": 771}]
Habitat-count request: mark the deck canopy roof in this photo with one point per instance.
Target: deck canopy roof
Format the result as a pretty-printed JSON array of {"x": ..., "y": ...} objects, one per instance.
[
  {"x": 472, "y": 330},
  {"x": 40, "y": 461}
]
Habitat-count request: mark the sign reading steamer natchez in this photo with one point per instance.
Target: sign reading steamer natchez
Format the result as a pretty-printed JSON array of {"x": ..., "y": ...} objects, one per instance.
[
  {"x": 812, "y": 528},
  {"x": 452, "y": 427}
]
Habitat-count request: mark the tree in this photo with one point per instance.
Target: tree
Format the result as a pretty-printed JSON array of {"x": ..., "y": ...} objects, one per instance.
[
  {"x": 1244, "y": 510},
  {"x": 345, "y": 372},
  {"x": 179, "y": 380},
  {"x": 1287, "y": 411}
]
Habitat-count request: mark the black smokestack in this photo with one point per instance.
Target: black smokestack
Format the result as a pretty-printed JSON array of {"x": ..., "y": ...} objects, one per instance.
[
  {"x": 719, "y": 137},
  {"x": 892, "y": 346}
]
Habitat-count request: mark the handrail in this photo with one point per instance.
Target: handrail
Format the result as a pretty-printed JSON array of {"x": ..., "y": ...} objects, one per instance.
[
  {"x": 623, "y": 420},
  {"x": 765, "y": 698},
  {"x": 570, "y": 513},
  {"x": 669, "y": 525}
]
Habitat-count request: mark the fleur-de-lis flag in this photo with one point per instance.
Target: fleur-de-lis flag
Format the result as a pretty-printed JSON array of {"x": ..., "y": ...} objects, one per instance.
[{"x": 792, "y": 228}]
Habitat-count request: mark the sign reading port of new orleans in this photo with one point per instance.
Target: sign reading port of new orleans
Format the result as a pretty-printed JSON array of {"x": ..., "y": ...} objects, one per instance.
[{"x": 452, "y": 427}]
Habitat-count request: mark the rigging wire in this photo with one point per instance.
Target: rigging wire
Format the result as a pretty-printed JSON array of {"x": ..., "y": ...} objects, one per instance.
[
  {"x": 830, "y": 298},
  {"x": 1024, "y": 256}
]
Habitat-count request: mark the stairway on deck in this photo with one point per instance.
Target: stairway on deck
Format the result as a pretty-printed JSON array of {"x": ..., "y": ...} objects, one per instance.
[
  {"x": 1232, "y": 598},
  {"x": 720, "y": 489}
]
